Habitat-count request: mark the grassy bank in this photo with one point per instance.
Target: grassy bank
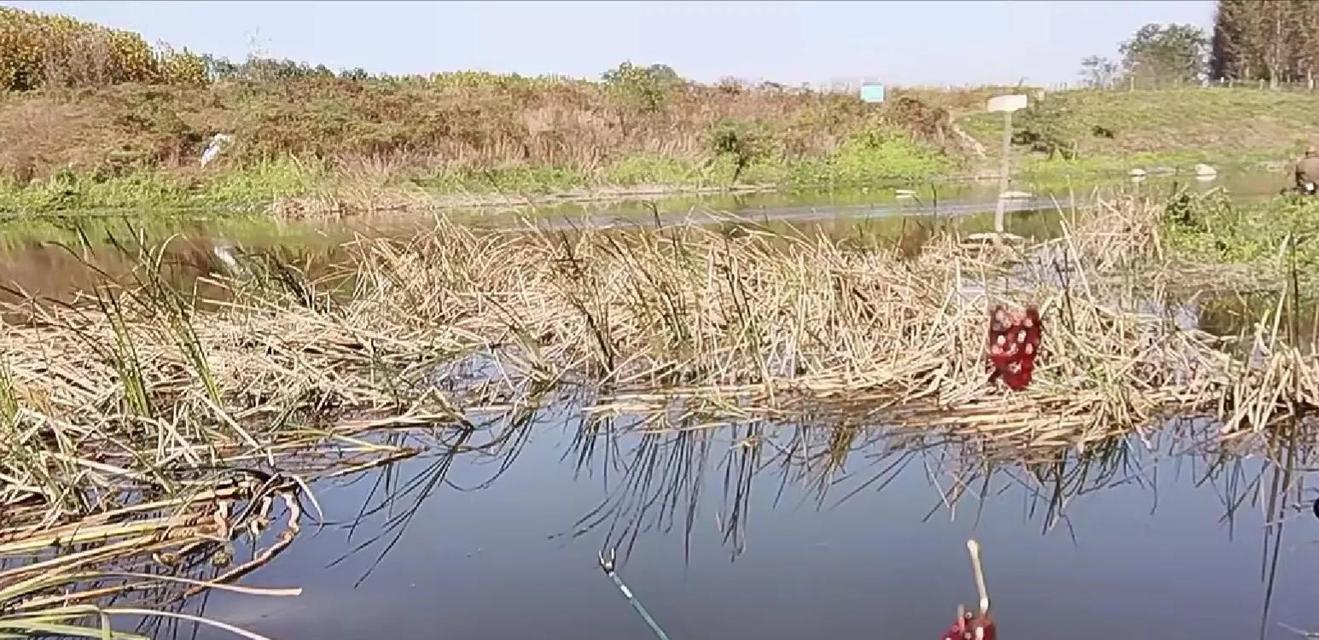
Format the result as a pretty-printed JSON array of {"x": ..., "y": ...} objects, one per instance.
[
  {"x": 293, "y": 188},
  {"x": 330, "y": 152},
  {"x": 93, "y": 118},
  {"x": 1087, "y": 132},
  {"x": 446, "y": 135}
]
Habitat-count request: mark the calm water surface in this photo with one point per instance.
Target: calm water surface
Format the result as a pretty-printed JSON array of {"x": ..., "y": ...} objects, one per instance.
[{"x": 1148, "y": 551}]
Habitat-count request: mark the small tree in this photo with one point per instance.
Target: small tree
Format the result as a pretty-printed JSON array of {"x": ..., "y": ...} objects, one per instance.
[
  {"x": 1166, "y": 53},
  {"x": 1048, "y": 126},
  {"x": 742, "y": 141},
  {"x": 641, "y": 87},
  {"x": 1098, "y": 72}
]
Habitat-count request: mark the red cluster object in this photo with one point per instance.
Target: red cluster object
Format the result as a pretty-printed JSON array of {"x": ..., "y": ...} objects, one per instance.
[
  {"x": 1014, "y": 341},
  {"x": 971, "y": 627}
]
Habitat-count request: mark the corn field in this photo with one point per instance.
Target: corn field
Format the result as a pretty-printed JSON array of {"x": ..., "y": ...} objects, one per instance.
[{"x": 38, "y": 50}]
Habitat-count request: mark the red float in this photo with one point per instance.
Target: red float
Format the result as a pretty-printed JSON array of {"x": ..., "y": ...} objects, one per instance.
[
  {"x": 970, "y": 626},
  {"x": 1014, "y": 341}
]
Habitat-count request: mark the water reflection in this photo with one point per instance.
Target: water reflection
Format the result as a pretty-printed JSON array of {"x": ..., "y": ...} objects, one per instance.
[{"x": 780, "y": 530}]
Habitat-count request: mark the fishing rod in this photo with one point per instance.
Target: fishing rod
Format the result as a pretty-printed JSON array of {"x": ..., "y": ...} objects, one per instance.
[{"x": 607, "y": 565}]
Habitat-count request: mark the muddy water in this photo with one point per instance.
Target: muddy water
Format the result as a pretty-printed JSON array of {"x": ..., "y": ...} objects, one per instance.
[{"x": 1154, "y": 546}]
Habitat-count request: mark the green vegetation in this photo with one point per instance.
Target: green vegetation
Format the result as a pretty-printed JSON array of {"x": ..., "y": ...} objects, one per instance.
[
  {"x": 1088, "y": 132},
  {"x": 1273, "y": 41},
  {"x": 1272, "y": 237}
]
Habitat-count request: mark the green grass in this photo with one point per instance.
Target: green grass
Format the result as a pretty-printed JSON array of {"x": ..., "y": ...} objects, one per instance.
[
  {"x": 871, "y": 158},
  {"x": 1114, "y": 131},
  {"x": 649, "y": 169},
  {"x": 251, "y": 186},
  {"x": 1270, "y": 237},
  {"x": 1182, "y": 161},
  {"x": 1171, "y": 119}
]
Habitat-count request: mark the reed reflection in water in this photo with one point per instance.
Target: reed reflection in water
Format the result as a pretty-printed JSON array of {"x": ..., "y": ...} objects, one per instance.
[{"x": 782, "y": 530}]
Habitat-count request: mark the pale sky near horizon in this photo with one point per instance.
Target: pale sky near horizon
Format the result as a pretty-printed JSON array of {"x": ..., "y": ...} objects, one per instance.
[{"x": 928, "y": 43}]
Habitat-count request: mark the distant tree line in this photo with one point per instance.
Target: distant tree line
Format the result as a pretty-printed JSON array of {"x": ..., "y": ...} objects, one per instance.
[{"x": 1276, "y": 41}]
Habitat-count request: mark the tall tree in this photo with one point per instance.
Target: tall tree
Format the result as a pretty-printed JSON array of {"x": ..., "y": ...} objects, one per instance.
[
  {"x": 1276, "y": 40},
  {"x": 1227, "y": 58},
  {"x": 1165, "y": 53}
]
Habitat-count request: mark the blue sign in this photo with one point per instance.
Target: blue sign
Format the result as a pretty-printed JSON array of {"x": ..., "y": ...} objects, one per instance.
[{"x": 872, "y": 92}]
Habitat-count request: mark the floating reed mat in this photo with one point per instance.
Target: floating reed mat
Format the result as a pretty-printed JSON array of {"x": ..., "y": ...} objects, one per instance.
[
  {"x": 748, "y": 322},
  {"x": 142, "y": 382}
]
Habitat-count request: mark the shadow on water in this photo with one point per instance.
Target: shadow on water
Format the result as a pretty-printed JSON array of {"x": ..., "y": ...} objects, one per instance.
[{"x": 777, "y": 530}]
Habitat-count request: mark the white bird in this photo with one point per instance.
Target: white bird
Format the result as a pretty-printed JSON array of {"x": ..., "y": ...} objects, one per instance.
[
  {"x": 224, "y": 251},
  {"x": 213, "y": 149}
]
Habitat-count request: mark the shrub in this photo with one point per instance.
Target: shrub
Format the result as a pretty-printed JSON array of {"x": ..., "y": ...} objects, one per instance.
[
  {"x": 743, "y": 142},
  {"x": 182, "y": 67},
  {"x": 644, "y": 88},
  {"x": 1048, "y": 127}
]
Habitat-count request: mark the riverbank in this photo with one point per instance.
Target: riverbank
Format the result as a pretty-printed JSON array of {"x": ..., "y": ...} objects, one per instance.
[
  {"x": 317, "y": 145},
  {"x": 293, "y": 190}
]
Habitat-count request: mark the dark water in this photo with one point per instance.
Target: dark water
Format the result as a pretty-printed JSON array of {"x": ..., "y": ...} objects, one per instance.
[{"x": 1144, "y": 548}]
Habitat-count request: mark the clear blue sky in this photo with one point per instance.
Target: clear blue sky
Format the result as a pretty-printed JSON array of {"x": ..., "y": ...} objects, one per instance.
[{"x": 936, "y": 42}]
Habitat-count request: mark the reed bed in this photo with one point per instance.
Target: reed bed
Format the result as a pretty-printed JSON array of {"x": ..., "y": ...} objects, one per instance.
[
  {"x": 728, "y": 322},
  {"x": 753, "y": 322},
  {"x": 133, "y": 418}
]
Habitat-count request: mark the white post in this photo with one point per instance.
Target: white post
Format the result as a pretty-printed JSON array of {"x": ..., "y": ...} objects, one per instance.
[
  {"x": 1007, "y": 104},
  {"x": 1004, "y": 168}
]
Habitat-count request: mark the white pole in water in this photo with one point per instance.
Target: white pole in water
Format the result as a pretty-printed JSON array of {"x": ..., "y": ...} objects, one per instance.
[
  {"x": 1004, "y": 168},
  {"x": 1007, "y": 104}
]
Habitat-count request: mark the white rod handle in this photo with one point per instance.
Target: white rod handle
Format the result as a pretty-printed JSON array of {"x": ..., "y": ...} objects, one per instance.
[{"x": 974, "y": 548}]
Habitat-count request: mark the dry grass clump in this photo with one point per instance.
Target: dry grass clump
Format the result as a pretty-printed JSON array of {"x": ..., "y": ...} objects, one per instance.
[
  {"x": 761, "y": 322},
  {"x": 145, "y": 433}
]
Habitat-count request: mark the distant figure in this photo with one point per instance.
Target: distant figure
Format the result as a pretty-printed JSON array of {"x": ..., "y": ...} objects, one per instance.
[{"x": 1307, "y": 172}]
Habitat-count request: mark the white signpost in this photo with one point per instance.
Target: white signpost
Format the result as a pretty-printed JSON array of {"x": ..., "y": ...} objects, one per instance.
[{"x": 1007, "y": 104}]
